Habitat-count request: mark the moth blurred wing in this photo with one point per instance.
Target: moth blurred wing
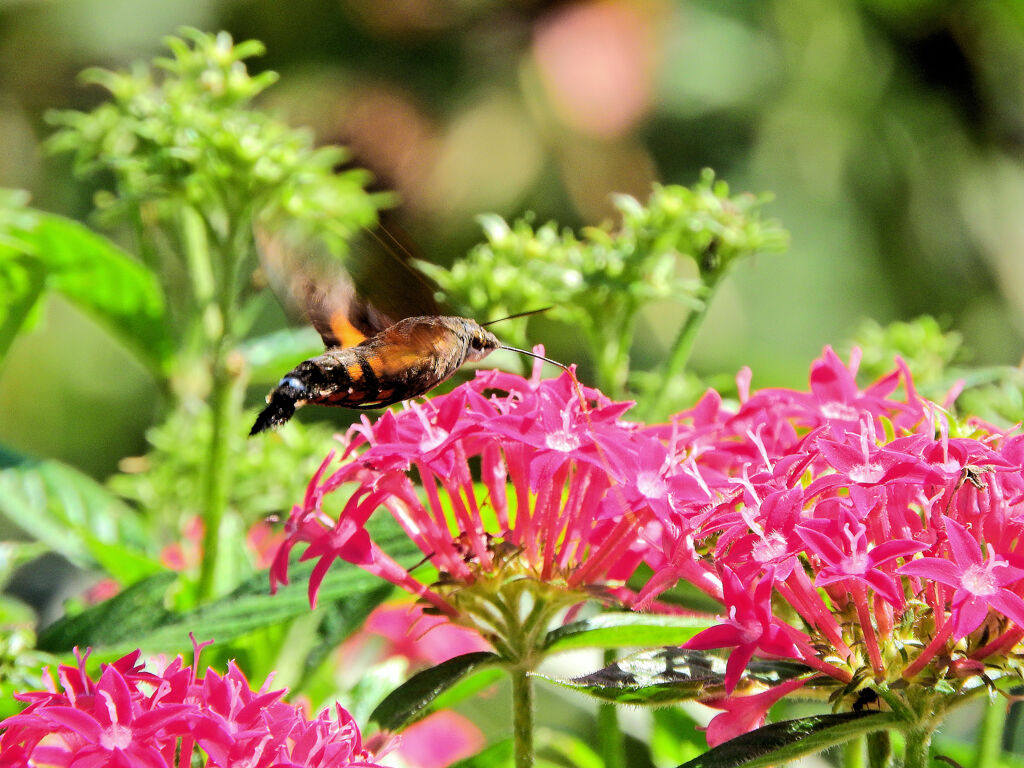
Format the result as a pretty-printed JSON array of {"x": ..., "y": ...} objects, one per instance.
[{"x": 314, "y": 283}]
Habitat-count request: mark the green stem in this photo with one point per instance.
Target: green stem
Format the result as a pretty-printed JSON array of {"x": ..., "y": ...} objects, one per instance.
[
  {"x": 917, "y": 748},
  {"x": 879, "y": 749},
  {"x": 853, "y": 754},
  {"x": 522, "y": 717},
  {"x": 222, "y": 385},
  {"x": 990, "y": 739},
  {"x": 215, "y": 485},
  {"x": 611, "y": 743},
  {"x": 682, "y": 347},
  {"x": 610, "y": 339}
]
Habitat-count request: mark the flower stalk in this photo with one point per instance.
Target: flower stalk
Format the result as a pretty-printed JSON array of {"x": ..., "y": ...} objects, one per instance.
[
  {"x": 917, "y": 745},
  {"x": 522, "y": 716}
]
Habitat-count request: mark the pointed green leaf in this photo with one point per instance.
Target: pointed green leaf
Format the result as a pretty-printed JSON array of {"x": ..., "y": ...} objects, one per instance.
[
  {"x": 618, "y": 630},
  {"x": 22, "y": 277},
  {"x": 663, "y": 675},
  {"x": 249, "y": 607},
  {"x": 22, "y": 280},
  {"x": 107, "y": 283},
  {"x": 42, "y": 251},
  {"x": 66, "y": 510},
  {"x": 468, "y": 687},
  {"x": 411, "y": 699},
  {"x": 778, "y": 743},
  {"x": 114, "y": 622}
]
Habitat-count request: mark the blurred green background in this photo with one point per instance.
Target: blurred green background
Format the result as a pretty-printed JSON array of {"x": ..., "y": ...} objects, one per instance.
[{"x": 890, "y": 131}]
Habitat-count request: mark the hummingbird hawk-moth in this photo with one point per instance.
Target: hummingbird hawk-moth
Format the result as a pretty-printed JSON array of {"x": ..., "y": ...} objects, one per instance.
[{"x": 374, "y": 357}]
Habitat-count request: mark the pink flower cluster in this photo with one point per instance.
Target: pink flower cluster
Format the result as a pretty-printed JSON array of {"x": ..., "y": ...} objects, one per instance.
[
  {"x": 864, "y": 533},
  {"x": 826, "y": 498},
  {"x": 543, "y": 507},
  {"x": 132, "y": 717}
]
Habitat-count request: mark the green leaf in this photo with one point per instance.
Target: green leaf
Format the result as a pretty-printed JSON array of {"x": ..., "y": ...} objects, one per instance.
[
  {"x": 340, "y": 619},
  {"x": 104, "y": 281},
  {"x": 468, "y": 687},
  {"x": 779, "y": 743},
  {"x": 663, "y": 675},
  {"x": 249, "y": 607},
  {"x": 67, "y": 510},
  {"x": 42, "y": 252},
  {"x": 618, "y": 630},
  {"x": 114, "y": 622},
  {"x": 22, "y": 280},
  {"x": 411, "y": 699}
]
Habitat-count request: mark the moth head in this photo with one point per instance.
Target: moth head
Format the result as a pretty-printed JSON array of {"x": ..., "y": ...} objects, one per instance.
[{"x": 481, "y": 343}]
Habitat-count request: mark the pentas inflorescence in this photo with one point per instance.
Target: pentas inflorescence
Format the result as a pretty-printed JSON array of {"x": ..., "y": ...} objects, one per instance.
[
  {"x": 546, "y": 521},
  {"x": 861, "y": 532},
  {"x": 132, "y": 716}
]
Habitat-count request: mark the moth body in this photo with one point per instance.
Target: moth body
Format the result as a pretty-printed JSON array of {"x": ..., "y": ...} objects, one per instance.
[{"x": 405, "y": 360}]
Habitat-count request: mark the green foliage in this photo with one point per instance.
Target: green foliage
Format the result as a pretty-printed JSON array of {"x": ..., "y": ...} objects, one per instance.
[
  {"x": 599, "y": 281},
  {"x": 994, "y": 394},
  {"x": 778, "y": 743},
  {"x": 921, "y": 343},
  {"x": 70, "y": 513},
  {"x": 21, "y": 665},
  {"x": 41, "y": 252},
  {"x": 269, "y": 475},
  {"x": 672, "y": 674},
  {"x": 413, "y": 698},
  {"x": 619, "y": 630},
  {"x": 191, "y": 168},
  {"x": 180, "y": 158},
  {"x": 998, "y": 399},
  {"x": 137, "y": 617},
  {"x": 181, "y": 133}
]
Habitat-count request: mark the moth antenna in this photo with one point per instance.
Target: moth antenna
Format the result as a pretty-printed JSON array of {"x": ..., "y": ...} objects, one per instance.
[
  {"x": 395, "y": 248},
  {"x": 517, "y": 314},
  {"x": 563, "y": 366}
]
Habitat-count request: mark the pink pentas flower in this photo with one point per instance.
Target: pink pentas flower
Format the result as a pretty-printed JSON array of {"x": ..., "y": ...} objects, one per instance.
[
  {"x": 845, "y": 555},
  {"x": 745, "y": 713},
  {"x": 852, "y": 522},
  {"x": 551, "y": 503},
  {"x": 978, "y": 584},
  {"x": 133, "y": 718},
  {"x": 749, "y": 627}
]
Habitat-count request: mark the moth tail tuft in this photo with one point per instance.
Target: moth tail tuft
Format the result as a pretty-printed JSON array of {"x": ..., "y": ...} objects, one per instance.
[{"x": 280, "y": 409}]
